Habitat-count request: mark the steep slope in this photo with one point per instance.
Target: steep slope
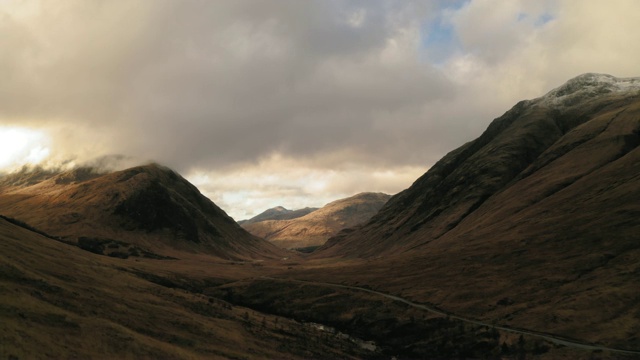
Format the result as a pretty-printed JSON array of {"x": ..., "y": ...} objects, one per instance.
[
  {"x": 529, "y": 154},
  {"x": 278, "y": 213},
  {"x": 534, "y": 224},
  {"x": 149, "y": 206},
  {"x": 316, "y": 227}
]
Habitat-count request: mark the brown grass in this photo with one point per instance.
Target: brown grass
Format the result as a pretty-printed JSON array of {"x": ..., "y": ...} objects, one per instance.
[{"x": 58, "y": 301}]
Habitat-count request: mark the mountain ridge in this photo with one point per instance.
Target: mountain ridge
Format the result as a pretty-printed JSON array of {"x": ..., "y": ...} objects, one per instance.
[
  {"x": 316, "y": 227},
  {"x": 278, "y": 213},
  {"x": 491, "y": 162},
  {"x": 151, "y": 206}
]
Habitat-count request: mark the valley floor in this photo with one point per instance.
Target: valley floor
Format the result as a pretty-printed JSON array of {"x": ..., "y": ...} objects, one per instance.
[{"x": 57, "y": 300}]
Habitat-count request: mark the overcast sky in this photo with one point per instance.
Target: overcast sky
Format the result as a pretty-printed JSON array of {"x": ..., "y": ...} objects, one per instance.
[{"x": 294, "y": 103}]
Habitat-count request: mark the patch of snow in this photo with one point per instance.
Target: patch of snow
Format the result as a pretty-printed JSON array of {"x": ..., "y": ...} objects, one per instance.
[{"x": 586, "y": 86}]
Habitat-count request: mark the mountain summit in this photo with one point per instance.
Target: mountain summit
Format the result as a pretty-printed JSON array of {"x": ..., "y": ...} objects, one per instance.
[
  {"x": 150, "y": 206},
  {"x": 587, "y": 86}
]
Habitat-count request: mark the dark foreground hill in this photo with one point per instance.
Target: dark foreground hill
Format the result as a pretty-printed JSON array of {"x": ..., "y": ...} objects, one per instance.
[
  {"x": 151, "y": 207},
  {"x": 316, "y": 227},
  {"x": 534, "y": 224},
  {"x": 60, "y": 302}
]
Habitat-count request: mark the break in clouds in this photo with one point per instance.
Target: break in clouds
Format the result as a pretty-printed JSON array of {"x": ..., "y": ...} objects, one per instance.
[{"x": 268, "y": 92}]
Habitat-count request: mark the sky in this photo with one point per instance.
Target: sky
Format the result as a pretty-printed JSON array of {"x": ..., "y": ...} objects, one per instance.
[{"x": 287, "y": 102}]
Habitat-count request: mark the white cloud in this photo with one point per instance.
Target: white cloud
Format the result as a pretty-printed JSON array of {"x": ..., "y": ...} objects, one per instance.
[
  {"x": 523, "y": 58},
  {"x": 246, "y": 190},
  {"x": 20, "y": 146}
]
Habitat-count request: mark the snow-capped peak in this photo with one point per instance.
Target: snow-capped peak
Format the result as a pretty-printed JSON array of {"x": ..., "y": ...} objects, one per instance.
[{"x": 587, "y": 86}]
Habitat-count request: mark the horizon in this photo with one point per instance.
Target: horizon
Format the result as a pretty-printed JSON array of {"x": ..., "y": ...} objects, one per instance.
[{"x": 286, "y": 103}]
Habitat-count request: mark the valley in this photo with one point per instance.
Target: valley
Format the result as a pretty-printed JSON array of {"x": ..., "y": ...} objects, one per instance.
[
  {"x": 519, "y": 244},
  {"x": 205, "y": 307}
]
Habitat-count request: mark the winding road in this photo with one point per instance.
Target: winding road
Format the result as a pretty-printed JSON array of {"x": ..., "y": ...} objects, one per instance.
[{"x": 549, "y": 337}]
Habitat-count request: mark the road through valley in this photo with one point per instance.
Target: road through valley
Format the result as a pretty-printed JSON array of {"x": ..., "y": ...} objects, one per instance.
[{"x": 556, "y": 339}]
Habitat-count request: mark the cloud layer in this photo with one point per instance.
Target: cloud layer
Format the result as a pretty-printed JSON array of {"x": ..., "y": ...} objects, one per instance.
[{"x": 269, "y": 95}]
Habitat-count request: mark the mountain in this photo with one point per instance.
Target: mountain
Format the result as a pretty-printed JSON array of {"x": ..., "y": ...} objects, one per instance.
[
  {"x": 278, "y": 213},
  {"x": 558, "y": 160},
  {"x": 534, "y": 224},
  {"x": 151, "y": 207},
  {"x": 316, "y": 227}
]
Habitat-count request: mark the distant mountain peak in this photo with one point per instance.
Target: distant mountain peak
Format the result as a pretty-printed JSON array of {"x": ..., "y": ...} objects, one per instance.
[
  {"x": 312, "y": 227},
  {"x": 277, "y": 213}
]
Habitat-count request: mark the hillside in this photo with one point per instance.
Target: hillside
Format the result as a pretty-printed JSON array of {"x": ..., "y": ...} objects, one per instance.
[
  {"x": 151, "y": 207},
  {"x": 533, "y": 224},
  {"x": 532, "y": 157},
  {"x": 58, "y": 301},
  {"x": 316, "y": 227},
  {"x": 278, "y": 213}
]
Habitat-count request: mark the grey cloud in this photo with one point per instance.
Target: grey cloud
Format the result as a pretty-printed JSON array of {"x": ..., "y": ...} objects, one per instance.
[
  {"x": 238, "y": 88},
  {"x": 208, "y": 84}
]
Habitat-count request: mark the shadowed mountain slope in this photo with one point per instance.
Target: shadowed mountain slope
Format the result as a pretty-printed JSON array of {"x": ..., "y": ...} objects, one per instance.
[
  {"x": 534, "y": 224},
  {"x": 316, "y": 227},
  {"x": 533, "y": 165},
  {"x": 149, "y": 206},
  {"x": 60, "y": 302}
]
